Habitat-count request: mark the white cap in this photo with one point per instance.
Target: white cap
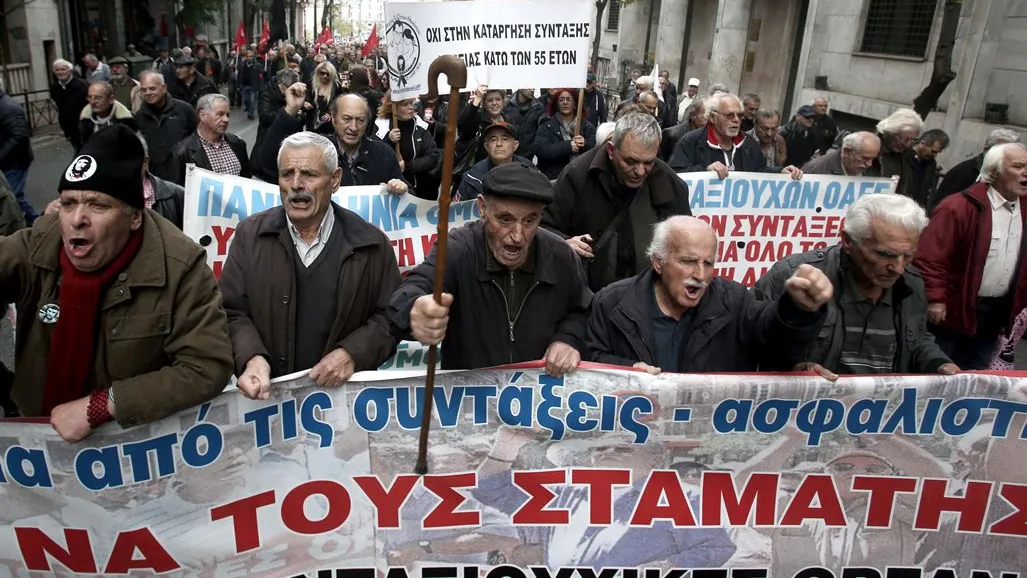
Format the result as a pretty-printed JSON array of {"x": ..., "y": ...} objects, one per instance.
[{"x": 693, "y": 82}]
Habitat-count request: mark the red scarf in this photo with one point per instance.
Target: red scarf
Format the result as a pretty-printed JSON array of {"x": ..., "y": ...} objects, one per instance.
[{"x": 70, "y": 364}]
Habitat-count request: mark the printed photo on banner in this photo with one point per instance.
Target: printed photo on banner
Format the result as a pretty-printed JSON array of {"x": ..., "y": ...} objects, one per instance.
[
  {"x": 506, "y": 45},
  {"x": 762, "y": 218},
  {"x": 604, "y": 469}
]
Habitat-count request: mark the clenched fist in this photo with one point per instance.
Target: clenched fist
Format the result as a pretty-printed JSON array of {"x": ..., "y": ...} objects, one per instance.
[{"x": 809, "y": 288}]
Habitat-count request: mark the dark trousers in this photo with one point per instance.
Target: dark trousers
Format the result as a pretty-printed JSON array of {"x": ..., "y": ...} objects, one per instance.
[{"x": 977, "y": 351}]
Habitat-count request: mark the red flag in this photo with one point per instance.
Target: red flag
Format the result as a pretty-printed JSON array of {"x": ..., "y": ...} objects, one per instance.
[
  {"x": 324, "y": 38},
  {"x": 265, "y": 34},
  {"x": 240, "y": 37},
  {"x": 371, "y": 44}
]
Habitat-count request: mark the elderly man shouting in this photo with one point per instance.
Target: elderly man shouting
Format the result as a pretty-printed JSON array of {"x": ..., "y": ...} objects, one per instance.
[
  {"x": 119, "y": 314},
  {"x": 306, "y": 284},
  {"x": 677, "y": 317}
]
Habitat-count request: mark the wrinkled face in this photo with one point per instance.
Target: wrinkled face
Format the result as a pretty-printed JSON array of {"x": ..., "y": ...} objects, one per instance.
[
  {"x": 304, "y": 184},
  {"x": 510, "y": 227},
  {"x": 62, "y": 72},
  {"x": 95, "y": 227},
  {"x": 804, "y": 121},
  {"x": 119, "y": 70},
  {"x": 494, "y": 103},
  {"x": 152, "y": 89},
  {"x": 185, "y": 72},
  {"x": 566, "y": 104},
  {"x": 350, "y": 120},
  {"x": 820, "y": 106},
  {"x": 632, "y": 161},
  {"x": 215, "y": 120},
  {"x": 500, "y": 146},
  {"x": 857, "y": 162},
  {"x": 751, "y": 108},
  {"x": 688, "y": 267},
  {"x": 766, "y": 128},
  {"x": 405, "y": 109},
  {"x": 698, "y": 118},
  {"x": 100, "y": 100},
  {"x": 901, "y": 141},
  {"x": 928, "y": 151},
  {"x": 880, "y": 259},
  {"x": 1012, "y": 181},
  {"x": 90, "y": 62},
  {"x": 692, "y": 91},
  {"x": 663, "y": 83},
  {"x": 728, "y": 119}
]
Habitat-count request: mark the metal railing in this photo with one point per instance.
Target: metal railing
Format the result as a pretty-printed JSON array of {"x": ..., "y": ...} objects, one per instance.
[
  {"x": 38, "y": 107},
  {"x": 19, "y": 75}
]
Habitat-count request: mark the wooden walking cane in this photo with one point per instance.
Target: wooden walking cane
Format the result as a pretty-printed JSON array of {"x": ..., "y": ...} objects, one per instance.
[
  {"x": 456, "y": 74},
  {"x": 581, "y": 106},
  {"x": 395, "y": 125}
]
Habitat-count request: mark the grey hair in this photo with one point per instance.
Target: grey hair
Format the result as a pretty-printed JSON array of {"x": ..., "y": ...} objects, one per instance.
[
  {"x": 661, "y": 235},
  {"x": 643, "y": 126},
  {"x": 63, "y": 63},
  {"x": 889, "y": 208},
  {"x": 287, "y": 76},
  {"x": 900, "y": 121},
  {"x": 1001, "y": 136},
  {"x": 604, "y": 132},
  {"x": 208, "y": 101},
  {"x": 305, "y": 139},
  {"x": 718, "y": 87},
  {"x": 645, "y": 81},
  {"x": 159, "y": 76},
  {"x": 691, "y": 109},
  {"x": 853, "y": 141},
  {"x": 768, "y": 114},
  {"x": 995, "y": 161},
  {"x": 142, "y": 141},
  {"x": 713, "y": 103},
  {"x": 752, "y": 97},
  {"x": 106, "y": 86}
]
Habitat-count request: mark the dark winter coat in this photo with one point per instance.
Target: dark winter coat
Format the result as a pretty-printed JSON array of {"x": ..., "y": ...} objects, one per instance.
[
  {"x": 553, "y": 152},
  {"x": 191, "y": 94},
  {"x": 958, "y": 179},
  {"x": 190, "y": 150},
  {"x": 699, "y": 149},
  {"x": 526, "y": 117},
  {"x": 15, "y": 135},
  {"x": 169, "y": 200},
  {"x": 259, "y": 288},
  {"x": 479, "y": 332},
  {"x": 122, "y": 115},
  {"x": 164, "y": 129},
  {"x": 70, "y": 99},
  {"x": 733, "y": 331}
]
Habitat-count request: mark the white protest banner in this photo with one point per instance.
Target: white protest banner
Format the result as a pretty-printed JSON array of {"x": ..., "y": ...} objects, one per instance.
[
  {"x": 507, "y": 45},
  {"x": 604, "y": 472},
  {"x": 214, "y": 205},
  {"x": 762, "y": 218}
]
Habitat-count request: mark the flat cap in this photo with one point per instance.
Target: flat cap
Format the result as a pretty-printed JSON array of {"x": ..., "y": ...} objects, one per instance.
[
  {"x": 500, "y": 125},
  {"x": 518, "y": 181},
  {"x": 117, "y": 60},
  {"x": 185, "y": 61},
  {"x": 806, "y": 111}
]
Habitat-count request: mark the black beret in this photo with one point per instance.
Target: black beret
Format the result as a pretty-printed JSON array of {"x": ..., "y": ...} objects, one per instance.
[
  {"x": 110, "y": 162},
  {"x": 519, "y": 181}
]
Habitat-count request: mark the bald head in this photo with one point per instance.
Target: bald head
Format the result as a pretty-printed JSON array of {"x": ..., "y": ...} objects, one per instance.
[
  {"x": 683, "y": 254},
  {"x": 858, "y": 152},
  {"x": 820, "y": 105},
  {"x": 350, "y": 114},
  {"x": 680, "y": 231}
]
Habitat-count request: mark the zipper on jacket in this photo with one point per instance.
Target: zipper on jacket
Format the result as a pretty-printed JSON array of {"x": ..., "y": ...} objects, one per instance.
[{"x": 512, "y": 322}]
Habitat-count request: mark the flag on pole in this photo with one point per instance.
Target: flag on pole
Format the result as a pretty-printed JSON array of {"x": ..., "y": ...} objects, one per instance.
[
  {"x": 371, "y": 44},
  {"x": 265, "y": 34},
  {"x": 240, "y": 37},
  {"x": 655, "y": 75},
  {"x": 324, "y": 38}
]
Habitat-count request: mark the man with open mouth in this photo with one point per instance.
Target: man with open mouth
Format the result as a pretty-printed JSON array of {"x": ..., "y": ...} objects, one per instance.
[
  {"x": 513, "y": 292},
  {"x": 677, "y": 317},
  {"x": 119, "y": 316}
]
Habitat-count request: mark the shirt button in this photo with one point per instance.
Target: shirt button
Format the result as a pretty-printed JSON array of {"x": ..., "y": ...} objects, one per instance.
[
  {"x": 121, "y": 292},
  {"x": 114, "y": 332},
  {"x": 122, "y": 277},
  {"x": 281, "y": 360},
  {"x": 285, "y": 299}
]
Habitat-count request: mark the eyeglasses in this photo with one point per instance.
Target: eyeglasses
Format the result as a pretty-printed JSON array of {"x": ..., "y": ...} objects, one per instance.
[{"x": 730, "y": 115}]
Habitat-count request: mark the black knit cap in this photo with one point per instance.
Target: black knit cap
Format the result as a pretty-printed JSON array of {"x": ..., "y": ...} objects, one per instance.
[
  {"x": 519, "y": 181},
  {"x": 110, "y": 162}
]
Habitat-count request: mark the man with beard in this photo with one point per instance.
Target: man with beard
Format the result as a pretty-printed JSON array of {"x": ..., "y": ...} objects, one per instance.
[
  {"x": 307, "y": 284},
  {"x": 126, "y": 89},
  {"x": 512, "y": 292},
  {"x": 69, "y": 92},
  {"x": 678, "y": 317},
  {"x": 103, "y": 111},
  {"x": 164, "y": 122},
  {"x": 211, "y": 147}
]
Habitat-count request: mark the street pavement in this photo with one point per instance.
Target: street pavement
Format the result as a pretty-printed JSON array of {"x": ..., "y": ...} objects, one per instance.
[{"x": 52, "y": 155}]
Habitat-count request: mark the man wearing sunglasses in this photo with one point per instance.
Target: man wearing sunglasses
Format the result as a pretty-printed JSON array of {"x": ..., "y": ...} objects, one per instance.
[{"x": 721, "y": 146}]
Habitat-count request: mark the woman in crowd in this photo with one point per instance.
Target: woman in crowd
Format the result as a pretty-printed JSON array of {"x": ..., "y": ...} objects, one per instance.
[
  {"x": 324, "y": 87},
  {"x": 555, "y": 143},
  {"x": 416, "y": 144}
]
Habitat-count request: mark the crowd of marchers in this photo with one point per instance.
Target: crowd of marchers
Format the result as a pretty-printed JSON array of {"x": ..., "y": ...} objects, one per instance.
[{"x": 585, "y": 249}]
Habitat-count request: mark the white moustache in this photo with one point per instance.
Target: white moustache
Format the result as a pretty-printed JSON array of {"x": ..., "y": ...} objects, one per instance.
[
  {"x": 299, "y": 196},
  {"x": 695, "y": 284}
]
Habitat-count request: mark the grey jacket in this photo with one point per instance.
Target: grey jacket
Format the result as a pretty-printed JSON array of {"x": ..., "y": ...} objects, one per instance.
[{"x": 917, "y": 353}]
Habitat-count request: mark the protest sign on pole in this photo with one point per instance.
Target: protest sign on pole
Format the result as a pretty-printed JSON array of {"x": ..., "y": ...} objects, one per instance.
[
  {"x": 602, "y": 473},
  {"x": 506, "y": 45},
  {"x": 762, "y": 218}
]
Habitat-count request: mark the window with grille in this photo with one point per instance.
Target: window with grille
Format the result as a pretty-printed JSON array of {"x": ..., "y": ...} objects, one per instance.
[
  {"x": 613, "y": 21},
  {"x": 898, "y": 27}
]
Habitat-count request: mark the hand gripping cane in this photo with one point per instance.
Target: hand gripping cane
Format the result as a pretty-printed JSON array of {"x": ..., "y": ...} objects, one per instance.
[{"x": 456, "y": 74}]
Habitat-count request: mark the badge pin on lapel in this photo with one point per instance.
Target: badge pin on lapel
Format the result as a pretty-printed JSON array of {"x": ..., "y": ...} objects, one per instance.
[{"x": 49, "y": 313}]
